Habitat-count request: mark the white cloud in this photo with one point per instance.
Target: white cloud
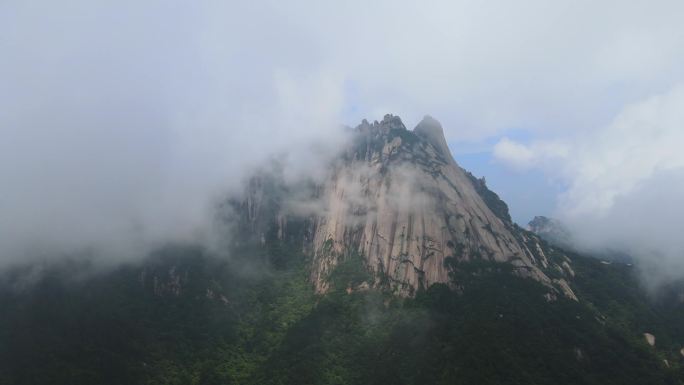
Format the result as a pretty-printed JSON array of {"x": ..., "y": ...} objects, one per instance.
[
  {"x": 645, "y": 139},
  {"x": 513, "y": 153},
  {"x": 625, "y": 182},
  {"x": 538, "y": 154},
  {"x": 120, "y": 124}
]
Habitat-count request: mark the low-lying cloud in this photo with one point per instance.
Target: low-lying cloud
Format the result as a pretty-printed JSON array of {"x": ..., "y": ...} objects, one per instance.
[
  {"x": 119, "y": 129},
  {"x": 625, "y": 183}
]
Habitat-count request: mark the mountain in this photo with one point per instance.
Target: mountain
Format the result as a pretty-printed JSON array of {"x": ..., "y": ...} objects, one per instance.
[
  {"x": 551, "y": 230},
  {"x": 395, "y": 267},
  {"x": 398, "y": 199}
]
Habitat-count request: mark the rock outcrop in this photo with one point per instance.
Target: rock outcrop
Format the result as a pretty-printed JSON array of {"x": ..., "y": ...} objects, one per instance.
[{"x": 650, "y": 339}]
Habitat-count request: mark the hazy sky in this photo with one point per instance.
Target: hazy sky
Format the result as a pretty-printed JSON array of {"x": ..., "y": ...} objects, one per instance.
[{"x": 124, "y": 118}]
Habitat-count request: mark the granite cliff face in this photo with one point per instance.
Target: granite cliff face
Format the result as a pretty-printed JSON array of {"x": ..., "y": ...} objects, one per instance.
[{"x": 398, "y": 199}]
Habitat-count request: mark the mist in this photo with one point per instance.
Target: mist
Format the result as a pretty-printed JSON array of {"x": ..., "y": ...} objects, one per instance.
[
  {"x": 121, "y": 130},
  {"x": 625, "y": 184},
  {"x": 122, "y": 124}
]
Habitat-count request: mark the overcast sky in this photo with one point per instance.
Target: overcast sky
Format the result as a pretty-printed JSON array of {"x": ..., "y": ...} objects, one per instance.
[{"x": 122, "y": 118}]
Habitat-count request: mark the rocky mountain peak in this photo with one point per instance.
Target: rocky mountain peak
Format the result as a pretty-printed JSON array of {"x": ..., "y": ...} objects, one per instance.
[
  {"x": 383, "y": 127},
  {"x": 392, "y": 122},
  {"x": 399, "y": 201},
  {"x": 431, "y": 130}
]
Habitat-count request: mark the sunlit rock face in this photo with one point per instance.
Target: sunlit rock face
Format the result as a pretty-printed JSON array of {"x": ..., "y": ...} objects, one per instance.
[{"x": 398, "y": 198}]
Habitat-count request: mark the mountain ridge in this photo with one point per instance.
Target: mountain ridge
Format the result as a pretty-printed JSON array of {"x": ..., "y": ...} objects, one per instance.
[{"x": 399, "y": 199}]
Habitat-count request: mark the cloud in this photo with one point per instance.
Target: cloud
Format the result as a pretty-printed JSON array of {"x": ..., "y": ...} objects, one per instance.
[
  {"x": 625, "y": 183},
  {"x": 645, "y": 139},
  {"x": 481, "y": 68},
  {"x": 643, "y": 223},
  {"x": 521, "y": 156},
  {"x": 627, "y": 190},
  {"x": 513, "y": 153},
  {"x": 121, "y": 126},
  {"x": 485, "y": 68}
]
